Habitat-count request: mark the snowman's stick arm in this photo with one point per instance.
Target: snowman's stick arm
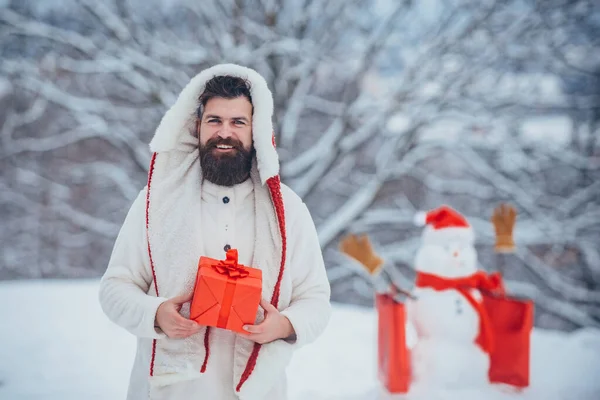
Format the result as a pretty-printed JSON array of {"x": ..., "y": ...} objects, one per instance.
[
  {"x": 397, "y": 291},
  {"x": 360, "y": 249}
]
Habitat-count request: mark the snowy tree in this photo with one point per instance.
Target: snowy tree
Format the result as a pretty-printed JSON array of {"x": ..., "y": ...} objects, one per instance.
[{"x": 382, "y": 108}]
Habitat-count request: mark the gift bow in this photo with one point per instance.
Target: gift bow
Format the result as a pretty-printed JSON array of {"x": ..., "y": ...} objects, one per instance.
[
  {"x": 488, "y": 284},
  {"x": 230, "y": 266}
]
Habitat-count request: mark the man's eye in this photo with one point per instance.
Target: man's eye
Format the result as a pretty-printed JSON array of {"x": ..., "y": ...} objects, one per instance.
[
  {"x": 213, "y": 120},
  {"x": 238, "y": 122}
]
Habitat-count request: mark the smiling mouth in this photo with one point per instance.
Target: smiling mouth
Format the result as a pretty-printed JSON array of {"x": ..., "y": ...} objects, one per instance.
[{"x": 223, "y": 147}]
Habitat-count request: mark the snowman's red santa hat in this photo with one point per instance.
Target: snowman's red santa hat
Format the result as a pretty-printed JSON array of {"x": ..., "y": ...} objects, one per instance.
[{"x": 443, "y": 225}]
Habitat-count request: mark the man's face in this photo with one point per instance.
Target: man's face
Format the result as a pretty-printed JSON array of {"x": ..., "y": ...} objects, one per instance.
[{"x": 225, "y": 140}]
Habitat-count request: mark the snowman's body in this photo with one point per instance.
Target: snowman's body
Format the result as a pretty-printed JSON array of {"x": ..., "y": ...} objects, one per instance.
[
  {"x": 444, "y": 314},
  {"x": 449, "y": 364},
  {"x": 446, "y": 353}
]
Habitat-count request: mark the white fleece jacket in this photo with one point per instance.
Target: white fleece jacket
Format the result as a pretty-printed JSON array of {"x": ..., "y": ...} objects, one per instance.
[{"x": 127, "y": 297}]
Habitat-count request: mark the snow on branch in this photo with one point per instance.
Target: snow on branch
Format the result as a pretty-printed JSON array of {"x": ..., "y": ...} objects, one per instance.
[
  {"x": 348, "y": 212},
  {"x": 552, "y": 305},
  {"x": 557, "y": 283},
  {"x": 43, "y": 30}
]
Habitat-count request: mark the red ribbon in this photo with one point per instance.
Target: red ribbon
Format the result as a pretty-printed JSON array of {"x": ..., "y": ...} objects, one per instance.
[
  {"x": 234, "y": 271},
  {"x": 230, "y": 266},
  {"x": 480, "y": 281}
]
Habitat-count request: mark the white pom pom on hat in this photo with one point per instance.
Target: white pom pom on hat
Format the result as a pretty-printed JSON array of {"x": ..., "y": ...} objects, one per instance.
[{"x": 420, "y": 218}]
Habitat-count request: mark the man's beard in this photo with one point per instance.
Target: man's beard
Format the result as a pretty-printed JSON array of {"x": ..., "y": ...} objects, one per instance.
[{"x": 225, "y": 169}]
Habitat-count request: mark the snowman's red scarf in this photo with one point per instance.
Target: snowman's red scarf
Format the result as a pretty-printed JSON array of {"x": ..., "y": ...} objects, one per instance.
[{"x": 480, "y": 281}]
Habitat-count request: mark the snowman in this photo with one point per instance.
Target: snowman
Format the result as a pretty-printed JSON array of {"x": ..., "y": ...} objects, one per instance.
[{"x": 446, "y": 310}]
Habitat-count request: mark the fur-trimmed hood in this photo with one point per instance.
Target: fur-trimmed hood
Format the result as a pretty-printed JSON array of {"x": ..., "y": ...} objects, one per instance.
[{"x": 179, "y": 121}]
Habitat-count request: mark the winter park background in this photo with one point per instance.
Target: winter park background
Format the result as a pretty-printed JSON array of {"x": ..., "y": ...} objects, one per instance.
[{"x": 382, "y": 108}]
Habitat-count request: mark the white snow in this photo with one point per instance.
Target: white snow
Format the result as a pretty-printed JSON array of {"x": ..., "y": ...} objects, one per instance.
[
  {"x": 398, "y": 123},
  {"x": 542, "y": 88},
  {"x": 5, "y": 85},
  {"x": 443, "y": 130},
  {"x": 555, "y": 130},
  {"x": 430, "y": 90},
  {"x": 57, "y": 344}
]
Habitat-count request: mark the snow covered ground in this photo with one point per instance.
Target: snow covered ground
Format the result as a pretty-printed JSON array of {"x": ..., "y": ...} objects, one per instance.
[{"x": 57, "y": 344}]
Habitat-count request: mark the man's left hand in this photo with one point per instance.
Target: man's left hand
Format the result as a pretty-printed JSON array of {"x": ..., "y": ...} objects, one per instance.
[{"x": 275, "y": 326}]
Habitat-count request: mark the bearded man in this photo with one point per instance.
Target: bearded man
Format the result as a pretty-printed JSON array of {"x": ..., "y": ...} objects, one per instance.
[{"x": 214, "y": 185}]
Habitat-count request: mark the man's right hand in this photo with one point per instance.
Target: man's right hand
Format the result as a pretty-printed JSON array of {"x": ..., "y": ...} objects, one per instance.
[{"x": 173, "y": 324}]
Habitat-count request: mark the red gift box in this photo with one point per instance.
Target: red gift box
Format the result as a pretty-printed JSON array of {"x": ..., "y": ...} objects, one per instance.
[
  {"x": 393, "y": 354},
  {"x": 511, "y": 322},
  {"x": 226, "y": 294}
]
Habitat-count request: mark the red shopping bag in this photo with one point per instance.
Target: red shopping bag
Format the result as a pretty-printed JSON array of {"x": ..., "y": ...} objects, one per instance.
[
  {"x": 505, "y": 323},
  {"x": 511, "y": 322},
  {"x": 393, "y": 355}
]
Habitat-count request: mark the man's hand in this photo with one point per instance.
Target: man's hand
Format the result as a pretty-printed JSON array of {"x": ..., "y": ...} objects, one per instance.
[
  {"x": 275, "y": 326},
  {"x": 173, "y": 324}
]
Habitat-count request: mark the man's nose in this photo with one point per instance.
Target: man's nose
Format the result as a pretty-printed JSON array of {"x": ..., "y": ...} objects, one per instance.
[{"x": 225, "y": 131}]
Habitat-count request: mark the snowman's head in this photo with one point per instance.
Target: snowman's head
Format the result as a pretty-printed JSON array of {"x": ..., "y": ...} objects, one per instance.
[
  {"x": 451, "y": 260},
  {"x": 447, "y": 245}
]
